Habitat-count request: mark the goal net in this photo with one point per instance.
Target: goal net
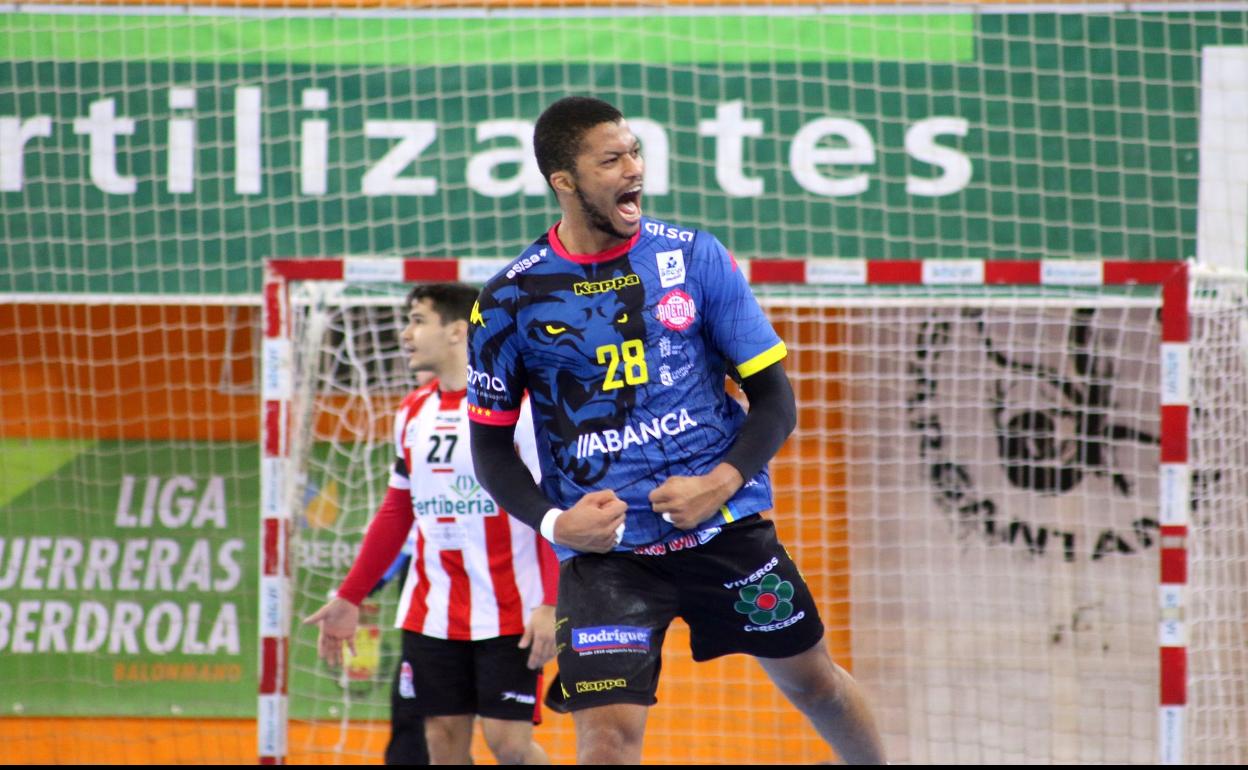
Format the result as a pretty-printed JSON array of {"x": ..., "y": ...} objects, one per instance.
[
  {"x": 1021, "y": 506},
  {"x": 155, "y": 153}
]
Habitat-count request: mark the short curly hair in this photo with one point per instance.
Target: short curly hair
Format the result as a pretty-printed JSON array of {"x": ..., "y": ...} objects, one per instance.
[{"x": 557, "y": 135}]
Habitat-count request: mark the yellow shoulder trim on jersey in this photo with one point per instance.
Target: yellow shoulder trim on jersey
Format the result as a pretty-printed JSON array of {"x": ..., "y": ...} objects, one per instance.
[
  {"x": 727, "y": 514},
  {"x": 763, "y": 360}
]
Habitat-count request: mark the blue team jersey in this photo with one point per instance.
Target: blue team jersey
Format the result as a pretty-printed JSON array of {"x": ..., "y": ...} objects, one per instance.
[{"x": 624, "y": 355}]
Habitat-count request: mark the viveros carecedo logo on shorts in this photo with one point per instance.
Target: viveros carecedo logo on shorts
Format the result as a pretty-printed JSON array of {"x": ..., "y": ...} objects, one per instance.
[
  {"x": 598, "y": 640},
  {"x": 768, "y": 603}
]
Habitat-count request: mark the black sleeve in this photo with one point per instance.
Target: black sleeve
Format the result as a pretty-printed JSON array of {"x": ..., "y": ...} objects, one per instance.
[
  {"x": 504, "y": 475},
  {"x": 772, "y": 417}
]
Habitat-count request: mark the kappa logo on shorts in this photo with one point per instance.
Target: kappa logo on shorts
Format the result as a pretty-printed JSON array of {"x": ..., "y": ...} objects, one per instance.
[
  {"x": 600, "y": 685},
  {"x": 597, "y": 640},
  {"x": 767, "y": 604}
]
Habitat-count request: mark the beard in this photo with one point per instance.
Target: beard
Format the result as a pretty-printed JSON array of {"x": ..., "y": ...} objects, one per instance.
[{"x": 598, "y": 219}]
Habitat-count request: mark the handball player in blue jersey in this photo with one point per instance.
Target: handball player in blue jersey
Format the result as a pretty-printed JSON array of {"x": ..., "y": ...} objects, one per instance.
[{"x": 622, "y": 329}]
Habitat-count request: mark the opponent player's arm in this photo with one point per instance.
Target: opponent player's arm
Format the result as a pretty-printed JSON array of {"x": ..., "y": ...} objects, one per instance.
[
  {"x": 337, "y": 619},
  {"x": 687, "y": 501},
  {"x": 593, "y": 524},
  {"x": 539, "y": 633},
  {"x": 382, "y": 544},
  {"x": 549, "y": 564}
]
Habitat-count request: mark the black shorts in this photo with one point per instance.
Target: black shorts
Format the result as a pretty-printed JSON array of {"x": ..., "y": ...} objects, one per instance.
[
  {"x": 739, "y": 592},
  {"x": 489, "y": 678}
]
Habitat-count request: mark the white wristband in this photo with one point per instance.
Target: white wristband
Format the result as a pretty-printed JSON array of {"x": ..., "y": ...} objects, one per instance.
[{"x": 548, "y": 523}]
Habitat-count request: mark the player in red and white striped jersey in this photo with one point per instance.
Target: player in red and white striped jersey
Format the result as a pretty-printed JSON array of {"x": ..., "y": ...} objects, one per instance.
[
  {"x": 477, "y": 572},
  {"x": 477, "y": 609}
]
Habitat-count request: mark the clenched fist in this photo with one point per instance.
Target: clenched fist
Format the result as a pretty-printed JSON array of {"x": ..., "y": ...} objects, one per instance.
[
  {"x": 594, "y": 524},
  {"x": 687, "y": 501}
]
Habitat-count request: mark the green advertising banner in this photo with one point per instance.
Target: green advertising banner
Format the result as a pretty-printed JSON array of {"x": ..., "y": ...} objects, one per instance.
[
  {"x": 127, "y": 578},
  {"x": 128, "y": 582},
  {"x": 152, "y": 153}
]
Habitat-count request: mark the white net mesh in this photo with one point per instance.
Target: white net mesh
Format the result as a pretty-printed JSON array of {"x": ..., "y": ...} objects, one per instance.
[
  {"x": 1218, "y": 546},
  {"x": 1005, "y": 489},
  {"x": 153, "y": 154},
  {"x": 972, "y": 495},
  {"x": 172, "y": 148},
  {"x": 350, "y": 377}
]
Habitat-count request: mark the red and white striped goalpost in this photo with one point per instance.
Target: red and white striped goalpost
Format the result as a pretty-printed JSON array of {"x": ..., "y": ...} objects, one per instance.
[
  {"x": 1170, "y": 278},
  {"x": 275, "y": 519}
]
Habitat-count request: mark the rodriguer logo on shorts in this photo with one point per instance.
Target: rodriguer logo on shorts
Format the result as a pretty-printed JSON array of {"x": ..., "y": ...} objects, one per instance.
[
  {"x": 610, "y": 639},
  {"x": 767, "y": 602}
]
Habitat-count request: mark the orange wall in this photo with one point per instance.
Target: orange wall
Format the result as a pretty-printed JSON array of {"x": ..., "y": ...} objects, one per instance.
[{"x": 128, "y": 372}]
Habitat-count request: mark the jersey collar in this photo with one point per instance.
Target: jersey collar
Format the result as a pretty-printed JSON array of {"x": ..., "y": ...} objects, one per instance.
[
  {"x": 589, "y": 259},
  {"x": 436, "y": 385}
]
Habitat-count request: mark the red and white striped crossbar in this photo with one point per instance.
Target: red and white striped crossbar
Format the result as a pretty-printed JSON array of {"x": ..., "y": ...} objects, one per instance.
[{"x": 1171, "y": 278}]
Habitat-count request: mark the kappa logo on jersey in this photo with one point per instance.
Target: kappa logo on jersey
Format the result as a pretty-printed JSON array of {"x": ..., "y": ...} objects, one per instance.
[
  {"x": 670, "y": 424},
  {"x": 525, "y": 264},
  {"x": 671, "y": 267},
  {"x": 611, "y": 284},
  {"x": 675, "y": 310},
  {"x": 669, "y": 232},
  {"x": 596, "y": 640}
]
